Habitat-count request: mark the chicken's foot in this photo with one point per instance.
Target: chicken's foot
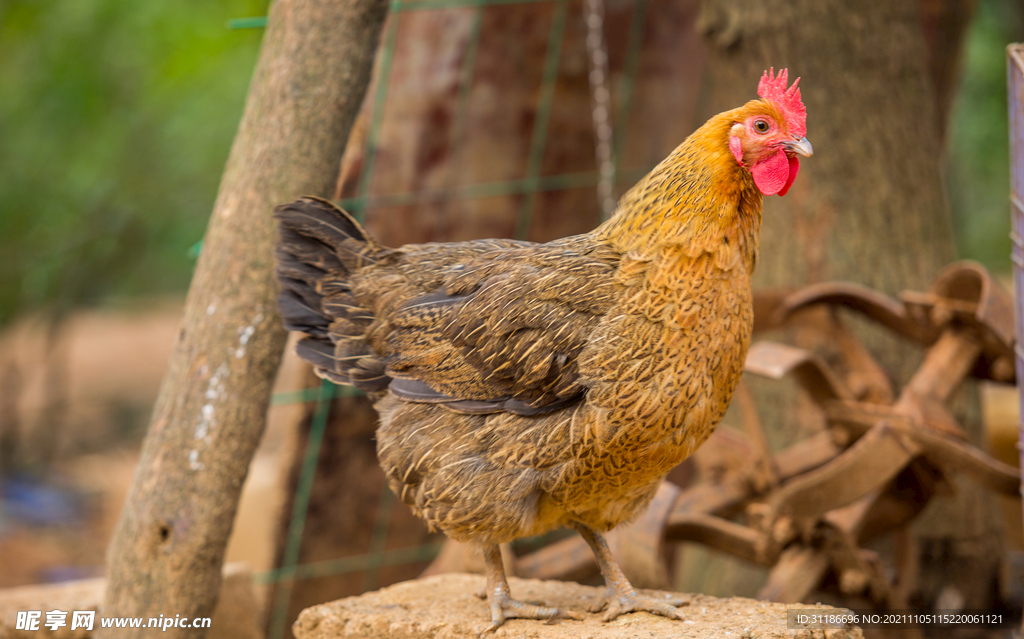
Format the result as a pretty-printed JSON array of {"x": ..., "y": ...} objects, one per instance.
[
  {"x": 503, "y": 606},
  {"x": 622, "y": 597}
]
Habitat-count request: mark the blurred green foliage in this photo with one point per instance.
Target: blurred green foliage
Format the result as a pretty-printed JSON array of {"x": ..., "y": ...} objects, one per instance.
[
  {"x": 978, "y": 156},
  {"x": 116, "y": 118}
]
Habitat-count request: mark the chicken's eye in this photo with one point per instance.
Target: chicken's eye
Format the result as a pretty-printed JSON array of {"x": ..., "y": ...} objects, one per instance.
[{"x": 761, "y": 126}]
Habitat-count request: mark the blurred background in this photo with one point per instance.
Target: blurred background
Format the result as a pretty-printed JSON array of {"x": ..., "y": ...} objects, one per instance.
[{"x": 116, "y": 118}]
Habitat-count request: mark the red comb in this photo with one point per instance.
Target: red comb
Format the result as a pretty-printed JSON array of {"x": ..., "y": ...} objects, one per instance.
[{"x": 773, "y": 89}]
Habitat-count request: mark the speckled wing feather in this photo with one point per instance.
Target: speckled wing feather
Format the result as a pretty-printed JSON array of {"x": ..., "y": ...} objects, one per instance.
[{"x": 504, "y": 328}]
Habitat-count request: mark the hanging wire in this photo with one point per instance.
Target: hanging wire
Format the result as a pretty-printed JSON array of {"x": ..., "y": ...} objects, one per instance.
[{"x": 600, "y": 98}]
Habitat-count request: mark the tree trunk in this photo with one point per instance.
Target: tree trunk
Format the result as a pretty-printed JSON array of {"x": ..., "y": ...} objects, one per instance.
[
  {"x": 870, "y": 205},
  {"x": 166, "y": 554}
]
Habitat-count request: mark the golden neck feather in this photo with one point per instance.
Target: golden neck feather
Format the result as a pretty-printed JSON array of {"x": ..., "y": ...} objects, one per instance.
[{"x": 698, "y": 197}]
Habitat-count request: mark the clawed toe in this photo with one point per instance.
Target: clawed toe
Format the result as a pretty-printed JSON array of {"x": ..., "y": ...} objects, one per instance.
[
  {"x": 633, "y": 602},
  {"x": 620, "y": 596},
  {"x": 564, "y": 614},
  {"x": 503, "y": 608},
  {"x": 598, "y": 606},
  {"x": 501, "y": 603}
]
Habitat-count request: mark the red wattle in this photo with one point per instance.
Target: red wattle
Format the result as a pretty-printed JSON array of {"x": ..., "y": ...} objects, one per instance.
[
  {"x": 772, "y": 174},
  {"x": 794, "y": 168}
]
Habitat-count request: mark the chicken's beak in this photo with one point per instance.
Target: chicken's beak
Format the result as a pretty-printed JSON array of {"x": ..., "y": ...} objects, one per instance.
[{"x": 801, "y": 146}]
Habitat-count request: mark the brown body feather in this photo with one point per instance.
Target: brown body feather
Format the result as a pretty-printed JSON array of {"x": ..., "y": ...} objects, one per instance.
[{"x": 522, "y": 386}]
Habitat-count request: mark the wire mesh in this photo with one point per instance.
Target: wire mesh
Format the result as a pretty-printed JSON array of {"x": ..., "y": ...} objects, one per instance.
[
  {"x": 286, "y": 572},
  {"x": 529, "y": 187}
]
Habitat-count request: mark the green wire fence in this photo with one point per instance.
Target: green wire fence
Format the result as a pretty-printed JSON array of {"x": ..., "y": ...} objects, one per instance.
[{"x": 529, "y": 186}]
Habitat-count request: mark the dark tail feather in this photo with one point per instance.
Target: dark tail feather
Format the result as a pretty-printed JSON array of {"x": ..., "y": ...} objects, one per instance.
[
  {"x": 318, "y": 247},
  {"x": 309, "y": 224}
]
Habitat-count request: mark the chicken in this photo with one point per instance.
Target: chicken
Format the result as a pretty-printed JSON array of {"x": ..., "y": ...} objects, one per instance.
[{"x": 523, "y": 387}]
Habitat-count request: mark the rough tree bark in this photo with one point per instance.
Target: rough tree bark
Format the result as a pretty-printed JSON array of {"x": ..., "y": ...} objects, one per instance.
[
  {"x": 166, "y": 554},
  {"x": 870, "y": 205}
]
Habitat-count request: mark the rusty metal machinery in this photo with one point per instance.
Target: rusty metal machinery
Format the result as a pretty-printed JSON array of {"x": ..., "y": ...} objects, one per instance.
[{"x": 807, "y": 510}]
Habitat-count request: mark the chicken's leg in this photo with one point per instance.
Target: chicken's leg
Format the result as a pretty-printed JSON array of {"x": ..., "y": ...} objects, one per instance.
[
  {"x": 503, "y": 606},
  {"x": 621, "y": 596}
]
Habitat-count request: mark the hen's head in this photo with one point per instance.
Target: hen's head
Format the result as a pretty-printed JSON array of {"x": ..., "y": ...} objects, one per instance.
[{"x": 768, "y": 133}]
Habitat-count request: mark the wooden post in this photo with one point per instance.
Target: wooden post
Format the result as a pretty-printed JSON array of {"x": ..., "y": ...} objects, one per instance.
[
  {"x": 1015, "y": 95},
  {"x": 166, "y": 554}
]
